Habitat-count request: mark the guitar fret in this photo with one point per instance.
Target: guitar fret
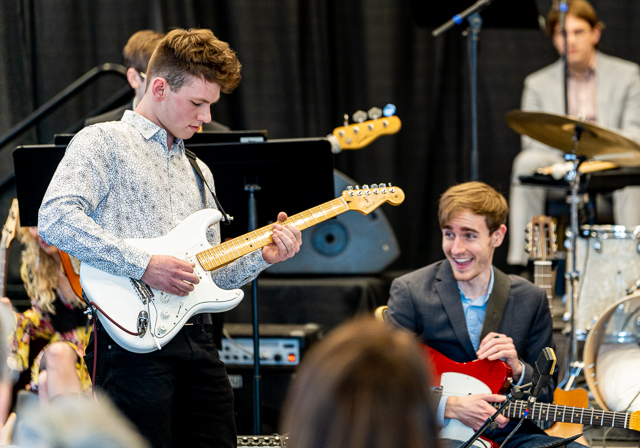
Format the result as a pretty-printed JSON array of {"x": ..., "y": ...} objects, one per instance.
[{"x": 626, "y": 418}]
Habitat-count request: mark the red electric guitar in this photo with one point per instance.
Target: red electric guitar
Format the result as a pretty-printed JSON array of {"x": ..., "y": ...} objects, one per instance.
[{"x": 493, "y": 377}]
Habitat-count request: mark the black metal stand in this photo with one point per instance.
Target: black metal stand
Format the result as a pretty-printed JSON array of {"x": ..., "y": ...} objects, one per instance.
[
  {"x": 517, "y": 393},
  {"x": 257, "y": 402},
  {"x": 472, "y": 14}
]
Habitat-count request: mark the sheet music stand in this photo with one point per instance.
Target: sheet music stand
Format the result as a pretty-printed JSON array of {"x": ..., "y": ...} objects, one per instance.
[
  {"x": 34, "y": 166},
  {"x": 295, "y": 175}
]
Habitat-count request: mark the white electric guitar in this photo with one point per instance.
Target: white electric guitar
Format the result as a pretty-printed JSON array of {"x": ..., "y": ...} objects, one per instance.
[{"x": 142, "y": 319}]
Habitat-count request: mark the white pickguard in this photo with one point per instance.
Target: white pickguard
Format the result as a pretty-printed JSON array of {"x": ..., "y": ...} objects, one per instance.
[
  {"x": 167, "y": 313},
  {"x": 459, "y": 384}
]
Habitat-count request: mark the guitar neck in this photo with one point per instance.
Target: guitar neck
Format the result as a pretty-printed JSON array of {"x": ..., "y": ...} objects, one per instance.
[
  {"x": 542, "y": 277},
  {"x": 569, "y": 414},
  {"x": 231, "y": 250}
]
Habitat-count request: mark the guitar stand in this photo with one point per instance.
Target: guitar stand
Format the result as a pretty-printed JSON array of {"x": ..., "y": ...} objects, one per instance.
[{"x": 516, "y": 393}]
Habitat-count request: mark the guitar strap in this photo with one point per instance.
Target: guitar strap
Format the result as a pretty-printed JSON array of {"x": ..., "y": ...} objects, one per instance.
[{"x": 226, "y": 219}]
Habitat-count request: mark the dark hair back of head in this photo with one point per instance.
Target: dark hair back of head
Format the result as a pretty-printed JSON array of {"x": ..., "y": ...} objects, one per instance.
[
  {"x": 581, "y": 9},
  {"x": 139, "y": 48},
  {"x": 477, "y": 198},
  {"x": 365, "y": 386},
  {"x": 196, "y": 53}
]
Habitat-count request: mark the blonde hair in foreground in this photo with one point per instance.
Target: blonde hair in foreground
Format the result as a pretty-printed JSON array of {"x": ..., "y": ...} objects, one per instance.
[
  {"x": 365, "y": 386},
  {"x": 39, "y": 272}
]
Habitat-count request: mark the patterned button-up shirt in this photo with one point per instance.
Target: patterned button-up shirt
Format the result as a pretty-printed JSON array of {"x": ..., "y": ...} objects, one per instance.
[{"x": 119, "y": 180}]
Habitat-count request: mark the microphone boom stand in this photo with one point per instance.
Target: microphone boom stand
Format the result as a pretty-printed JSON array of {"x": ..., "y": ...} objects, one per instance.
[{"x": 472, "y": 14}]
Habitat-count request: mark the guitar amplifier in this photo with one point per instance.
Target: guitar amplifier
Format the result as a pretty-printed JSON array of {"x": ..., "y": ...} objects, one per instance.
[
  {"x": 282, "y": 347},
  {"x": 273, "y": 440}
]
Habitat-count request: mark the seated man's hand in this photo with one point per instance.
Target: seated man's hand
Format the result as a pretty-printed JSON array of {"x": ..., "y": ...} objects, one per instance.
[
  {"x": 286, "y": 242},
  {"x": 499, "y": 346},
  {"x": 170, "y": 274},
  {"x": 474, "y": 410}
]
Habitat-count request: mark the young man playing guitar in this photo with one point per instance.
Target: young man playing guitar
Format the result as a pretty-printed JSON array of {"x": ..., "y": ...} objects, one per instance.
[
  {"x": 466, "y": 309},
  {"x": 132, "y": 179}
]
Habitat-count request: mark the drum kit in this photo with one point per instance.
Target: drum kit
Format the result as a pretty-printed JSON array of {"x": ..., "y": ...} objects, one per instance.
[{"x": 603, "y": 269}]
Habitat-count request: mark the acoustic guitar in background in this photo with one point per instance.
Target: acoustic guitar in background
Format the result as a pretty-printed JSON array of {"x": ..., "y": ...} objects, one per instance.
[
  {"x": 542, "y": 248},
  {"x": 8, "y": 235}
]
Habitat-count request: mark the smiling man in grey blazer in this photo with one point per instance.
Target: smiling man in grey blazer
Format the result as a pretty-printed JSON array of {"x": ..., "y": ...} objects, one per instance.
[
  {"x": 603, "y": 89},
  {"x": 467, "y": 309}
]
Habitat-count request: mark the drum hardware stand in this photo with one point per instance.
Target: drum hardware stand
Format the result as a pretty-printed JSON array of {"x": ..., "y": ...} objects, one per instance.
[{"x": 573, "y": 365}]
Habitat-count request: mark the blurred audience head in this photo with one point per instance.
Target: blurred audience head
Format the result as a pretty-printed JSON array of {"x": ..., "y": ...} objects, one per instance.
[
  {"x": 77, "y": 423},
  {"x": 365, "y": 386}
]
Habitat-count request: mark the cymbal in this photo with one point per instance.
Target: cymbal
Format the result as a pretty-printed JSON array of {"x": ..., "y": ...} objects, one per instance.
[{"x": 557, "y": 131}]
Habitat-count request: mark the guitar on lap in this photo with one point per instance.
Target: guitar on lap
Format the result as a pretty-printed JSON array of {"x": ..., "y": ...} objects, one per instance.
[
  {"x": 493, "y": 377},
  {"x": 124, "y": 303}
]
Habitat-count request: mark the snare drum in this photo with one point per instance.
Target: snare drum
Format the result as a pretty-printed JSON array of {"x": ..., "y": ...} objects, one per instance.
[
  {"x": 608, "y": 260},
  {"x": 612, "y": 356}
]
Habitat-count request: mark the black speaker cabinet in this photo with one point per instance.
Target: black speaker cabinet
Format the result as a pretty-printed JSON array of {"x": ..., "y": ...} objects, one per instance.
[{"x": 351, "y": 243}]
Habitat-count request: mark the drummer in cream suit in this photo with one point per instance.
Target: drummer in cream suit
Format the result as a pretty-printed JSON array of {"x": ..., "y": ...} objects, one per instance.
[{"x": 602, "y": 89}]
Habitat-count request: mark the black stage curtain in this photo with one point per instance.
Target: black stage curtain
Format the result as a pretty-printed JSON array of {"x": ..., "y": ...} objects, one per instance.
[{"x": 305, "y": 64}]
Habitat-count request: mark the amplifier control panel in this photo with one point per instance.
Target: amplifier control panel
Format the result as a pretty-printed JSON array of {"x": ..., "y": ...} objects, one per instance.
[{"x": 273, "y": 351}]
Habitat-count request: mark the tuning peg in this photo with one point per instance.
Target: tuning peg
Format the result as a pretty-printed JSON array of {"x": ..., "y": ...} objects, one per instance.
[
  {"x": 365, "y": 187},
  {"x": 359, "y": 116},
  {"x": 374, "y": 185},
  {"x": 346, "y": 119},
  {"x": 374, "y": 113},
  {"x": 389, "y": 110},
  {"x": 350, "y": 187},
  {"x": 357, "y": 187}
]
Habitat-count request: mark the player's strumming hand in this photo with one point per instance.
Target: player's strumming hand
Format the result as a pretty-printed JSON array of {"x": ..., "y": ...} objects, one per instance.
[
  {"x": 286, "y": 242},
  {"x": 474, "y": 410},
  {"x": 170, "y": 274},
  {"x": 499, "y": 346}
]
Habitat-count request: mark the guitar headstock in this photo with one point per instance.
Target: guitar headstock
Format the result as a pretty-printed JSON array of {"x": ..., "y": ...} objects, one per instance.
[
  {"x": 367, "y": 198},
  {"x": 11, "y": 226},
  {"x": 359, "y": 135},
  {"x": 541, "y": 238}
]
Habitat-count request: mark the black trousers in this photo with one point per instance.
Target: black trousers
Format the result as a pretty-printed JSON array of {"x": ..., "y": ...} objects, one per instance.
[{"x": 178, "y": 396}]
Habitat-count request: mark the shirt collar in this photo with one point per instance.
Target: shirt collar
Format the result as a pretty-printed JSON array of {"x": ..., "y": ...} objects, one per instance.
[
  {"x": 148, "y": 129},
  {"x": 591, "y": 70},
  {"x": 482, "y": 300}
]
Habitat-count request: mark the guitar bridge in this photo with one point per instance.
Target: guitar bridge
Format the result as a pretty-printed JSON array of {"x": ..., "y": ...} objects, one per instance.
[{"x": 144, "y": 292}]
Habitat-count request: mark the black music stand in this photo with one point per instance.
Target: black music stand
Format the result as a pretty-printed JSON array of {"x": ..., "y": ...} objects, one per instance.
[
  {"x": 205, "y": 137},
  {"x": 280, "y": 175},
  {"x": 34, "y": 166}
]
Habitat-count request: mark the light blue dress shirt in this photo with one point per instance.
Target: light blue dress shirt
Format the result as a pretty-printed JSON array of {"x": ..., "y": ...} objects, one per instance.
[{"x": 475, "y": 312}]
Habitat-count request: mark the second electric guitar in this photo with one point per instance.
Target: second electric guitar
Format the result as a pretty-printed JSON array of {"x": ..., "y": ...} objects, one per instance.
[{"x": 142, "y": 319}]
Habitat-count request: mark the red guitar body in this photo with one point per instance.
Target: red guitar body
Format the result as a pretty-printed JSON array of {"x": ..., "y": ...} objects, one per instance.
[
  {"x": 495, "y": 374},
  {"x": 463, "y": 378}
]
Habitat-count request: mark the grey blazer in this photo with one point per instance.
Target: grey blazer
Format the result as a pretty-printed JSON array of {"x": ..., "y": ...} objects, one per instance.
[
  {"x": 427, "y": 302},
  {"x": 618, "y": 90}
]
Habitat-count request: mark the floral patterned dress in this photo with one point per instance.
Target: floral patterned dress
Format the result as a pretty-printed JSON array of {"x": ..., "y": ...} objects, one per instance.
[{"x": 68, "y": 324}]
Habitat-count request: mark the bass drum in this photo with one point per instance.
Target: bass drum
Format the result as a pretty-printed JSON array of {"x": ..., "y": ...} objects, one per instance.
[
  {"x": 612, "y": 356},
  {"x": 608, "y": 259}
]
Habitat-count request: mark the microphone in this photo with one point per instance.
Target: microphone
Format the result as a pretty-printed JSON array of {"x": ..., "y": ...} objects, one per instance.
[
  {"x": 543, "y": 370},
  {"x": 563, "y": 7}
]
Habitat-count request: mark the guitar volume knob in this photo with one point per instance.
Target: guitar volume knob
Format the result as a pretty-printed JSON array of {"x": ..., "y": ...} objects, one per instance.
[{"x": 165, "y": 314}]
